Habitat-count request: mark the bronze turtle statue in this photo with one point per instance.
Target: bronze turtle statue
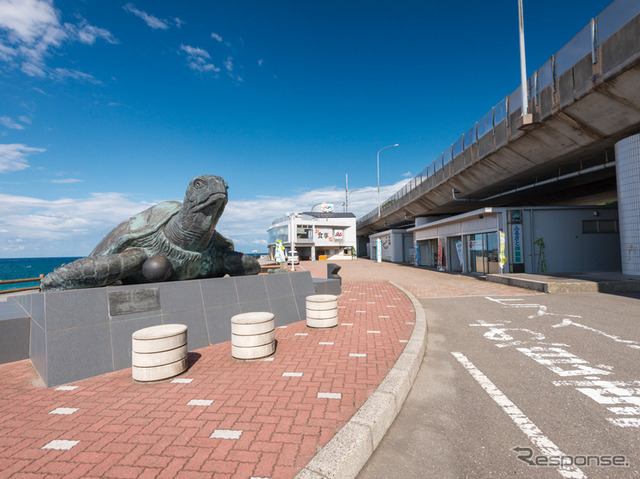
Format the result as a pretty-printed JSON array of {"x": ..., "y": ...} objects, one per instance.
[{"x": 171, "y": 240}]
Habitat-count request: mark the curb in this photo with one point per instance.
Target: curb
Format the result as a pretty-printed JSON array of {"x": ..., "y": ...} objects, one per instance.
[{"x": 350, "y": 449}]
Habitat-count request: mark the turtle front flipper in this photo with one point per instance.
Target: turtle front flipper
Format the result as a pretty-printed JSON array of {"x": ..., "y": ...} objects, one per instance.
[{"x": 94, "y": 271}]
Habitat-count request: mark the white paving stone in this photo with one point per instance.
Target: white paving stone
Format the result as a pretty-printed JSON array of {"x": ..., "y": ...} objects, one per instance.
[
  {"x": 226, "y": 434},
  {"x": 66, "y": 388},
  {"x": 341, "y": 307},
  {"x": 346, "y": 324},
  {"x": 390, "y": 306},
  {"x": 182, "y": 381},
  {"x": 384, "y": 317},
  {"x": 64, "y": 410},
  {"x": 357, "y": 355},
  {"x": 403, "y": 340},
  {"x": 292, "y": 375},
  {"x": 409, "y": 322},
  {"x": 329, "y": 395},
  {"x": 200, "y": 402},
  {"x": 325, "y": 343},
  {"x": 282, "y": 327},
  {"x": 373, "y": 332},
  {"x": 60, "y": 445},
  {"x": 302, "y": 334}
]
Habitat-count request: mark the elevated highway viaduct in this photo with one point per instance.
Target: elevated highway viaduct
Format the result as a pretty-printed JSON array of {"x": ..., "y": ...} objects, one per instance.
[{"x": 583, "y": 102}]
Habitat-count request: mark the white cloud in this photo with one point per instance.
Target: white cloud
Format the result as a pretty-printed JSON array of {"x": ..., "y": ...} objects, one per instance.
[
  {"x": 31, "y": 29},
  {"x": 228, "y": 64},
  {"x": 88, "y": 34},
  {"x": 197, "y": 59},
  {"x": 217, "y": 37},
  {"x": 179, "y": 22},
  {"x": 150, "y": 20},
  {"x": 64, "y": 227},
  {"x": 9, "y": 123},
  {"x": 67, "y": 181},
  {"x": 408, "y": 174},
  {"x": 31, "y": 226},
  {"x": 13, "y": 157},
  {"x": 260, "y": 62},
  {"x": 64, "y": 73}
]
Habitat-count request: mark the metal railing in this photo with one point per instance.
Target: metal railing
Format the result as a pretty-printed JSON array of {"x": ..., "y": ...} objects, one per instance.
[
  {"x": 586, "y": 42},
  {"x": 16, "y": 281}
]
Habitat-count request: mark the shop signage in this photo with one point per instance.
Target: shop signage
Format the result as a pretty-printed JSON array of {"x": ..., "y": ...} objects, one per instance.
[
  {"x": 417, "y": 254},
  {"x": 327, "y": 207},
  {"x": 503, "y": 257},
  {"x": 516, "y": 241},
  {"x": 279, "y": 252},
  {"x": 460, "y": 253},
  {"x": 379, "y": 250}
]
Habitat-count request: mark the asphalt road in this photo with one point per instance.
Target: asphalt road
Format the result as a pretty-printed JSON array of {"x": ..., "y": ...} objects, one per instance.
[{"x": 556, "y": 376}]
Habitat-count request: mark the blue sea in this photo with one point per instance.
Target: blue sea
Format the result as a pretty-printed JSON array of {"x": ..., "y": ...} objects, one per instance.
[{"x": 22, "y": 268}]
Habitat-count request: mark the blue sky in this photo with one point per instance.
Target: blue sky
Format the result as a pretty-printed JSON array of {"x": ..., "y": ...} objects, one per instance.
[{"x": 109, "y": 107}]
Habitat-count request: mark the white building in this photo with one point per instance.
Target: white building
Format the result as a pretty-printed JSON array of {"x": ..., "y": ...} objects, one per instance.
[{"x": 318, "y": 236}]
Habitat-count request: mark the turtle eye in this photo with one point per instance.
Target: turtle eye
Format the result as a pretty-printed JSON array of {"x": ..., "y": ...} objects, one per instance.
[{"x": 198, "y": 184}]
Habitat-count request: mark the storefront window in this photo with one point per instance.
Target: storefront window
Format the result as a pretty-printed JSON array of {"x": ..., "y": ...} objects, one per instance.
[
  {"x": 429, "y": 253},
  {"x": 483, "y": 253}
]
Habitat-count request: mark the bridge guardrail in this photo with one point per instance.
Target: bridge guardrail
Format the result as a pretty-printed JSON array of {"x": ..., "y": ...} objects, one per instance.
[{"x": 540, "y": 86}]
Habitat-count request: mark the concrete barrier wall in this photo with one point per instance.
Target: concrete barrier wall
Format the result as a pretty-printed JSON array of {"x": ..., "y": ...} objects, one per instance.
[{"x": 78, "y": 334}]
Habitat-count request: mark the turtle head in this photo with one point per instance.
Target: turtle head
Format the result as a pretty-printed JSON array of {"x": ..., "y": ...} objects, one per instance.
[{"x": 206, "y": 195}]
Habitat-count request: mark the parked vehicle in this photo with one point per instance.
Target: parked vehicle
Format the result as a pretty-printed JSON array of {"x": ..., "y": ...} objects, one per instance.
[{"x": 292, "y": 258}]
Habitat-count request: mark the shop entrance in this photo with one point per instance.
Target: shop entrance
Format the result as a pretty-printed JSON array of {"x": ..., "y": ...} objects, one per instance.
[{"x": 483, "y": 253}]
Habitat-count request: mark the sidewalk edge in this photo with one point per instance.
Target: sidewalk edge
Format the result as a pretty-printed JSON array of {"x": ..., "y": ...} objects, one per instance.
[{"x": 346, "y": 454}]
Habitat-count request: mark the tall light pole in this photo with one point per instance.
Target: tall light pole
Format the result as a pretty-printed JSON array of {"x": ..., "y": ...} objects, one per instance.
[
  {"x": 523, "y": 62},
  {"x": 378, "y": 163}
]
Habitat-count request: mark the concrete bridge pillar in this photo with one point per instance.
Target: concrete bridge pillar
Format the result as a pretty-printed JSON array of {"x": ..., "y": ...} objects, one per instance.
[{"x": 628, "y": 179}]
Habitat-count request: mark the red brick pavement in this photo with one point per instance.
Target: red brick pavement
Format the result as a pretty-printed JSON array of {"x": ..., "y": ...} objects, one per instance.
[{"x": 132, "y": 430}]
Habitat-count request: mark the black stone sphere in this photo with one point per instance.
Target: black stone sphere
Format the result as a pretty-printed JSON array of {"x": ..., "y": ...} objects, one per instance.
[{"x": 157, "y": 269}]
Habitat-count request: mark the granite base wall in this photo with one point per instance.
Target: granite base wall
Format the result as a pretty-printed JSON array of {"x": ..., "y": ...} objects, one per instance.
[
  {"x": 14, "y": 332},
  {"x": 78, "y": 334}
]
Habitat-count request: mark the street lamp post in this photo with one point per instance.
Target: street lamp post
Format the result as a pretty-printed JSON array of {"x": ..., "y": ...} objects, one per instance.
[
  {"x": 523, "y": 62},
  {"x": 378, "y": 164}
]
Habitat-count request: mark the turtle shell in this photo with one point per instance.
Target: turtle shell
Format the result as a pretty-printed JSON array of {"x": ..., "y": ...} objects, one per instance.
[{"x": 145, "y": 223}]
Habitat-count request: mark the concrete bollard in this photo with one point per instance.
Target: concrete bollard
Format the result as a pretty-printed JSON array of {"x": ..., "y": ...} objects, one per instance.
[
  {"x": 158, "y": 352},
  {"x": 253, "y": 335},
  {"x": 322, "y": 311}
]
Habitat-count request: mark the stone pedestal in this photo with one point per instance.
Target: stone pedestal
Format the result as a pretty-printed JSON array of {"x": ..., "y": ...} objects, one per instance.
[
  {"x": 159, "y": 352},
  {"x": 253, "y": 335},
  {"x": 322, "y": 311},
  {"x": 78, "y": 334}
]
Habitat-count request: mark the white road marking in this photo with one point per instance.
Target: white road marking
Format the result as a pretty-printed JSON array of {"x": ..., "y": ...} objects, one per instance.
[
  {"x": 60, "y": 445},
  {"x": 535, "y": 435},
  {"x": 226, "y": 434},
  {"x": 64, "y": 410},
  {"x": 617, "y": 339},
  {"x": 553, "y": 357},
  {"x": 200, "y": 402},
  {"x": 329, "y": 396}
]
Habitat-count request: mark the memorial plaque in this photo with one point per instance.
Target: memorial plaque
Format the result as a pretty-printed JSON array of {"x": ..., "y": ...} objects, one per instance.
[{"x": 133, "y": 301}]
